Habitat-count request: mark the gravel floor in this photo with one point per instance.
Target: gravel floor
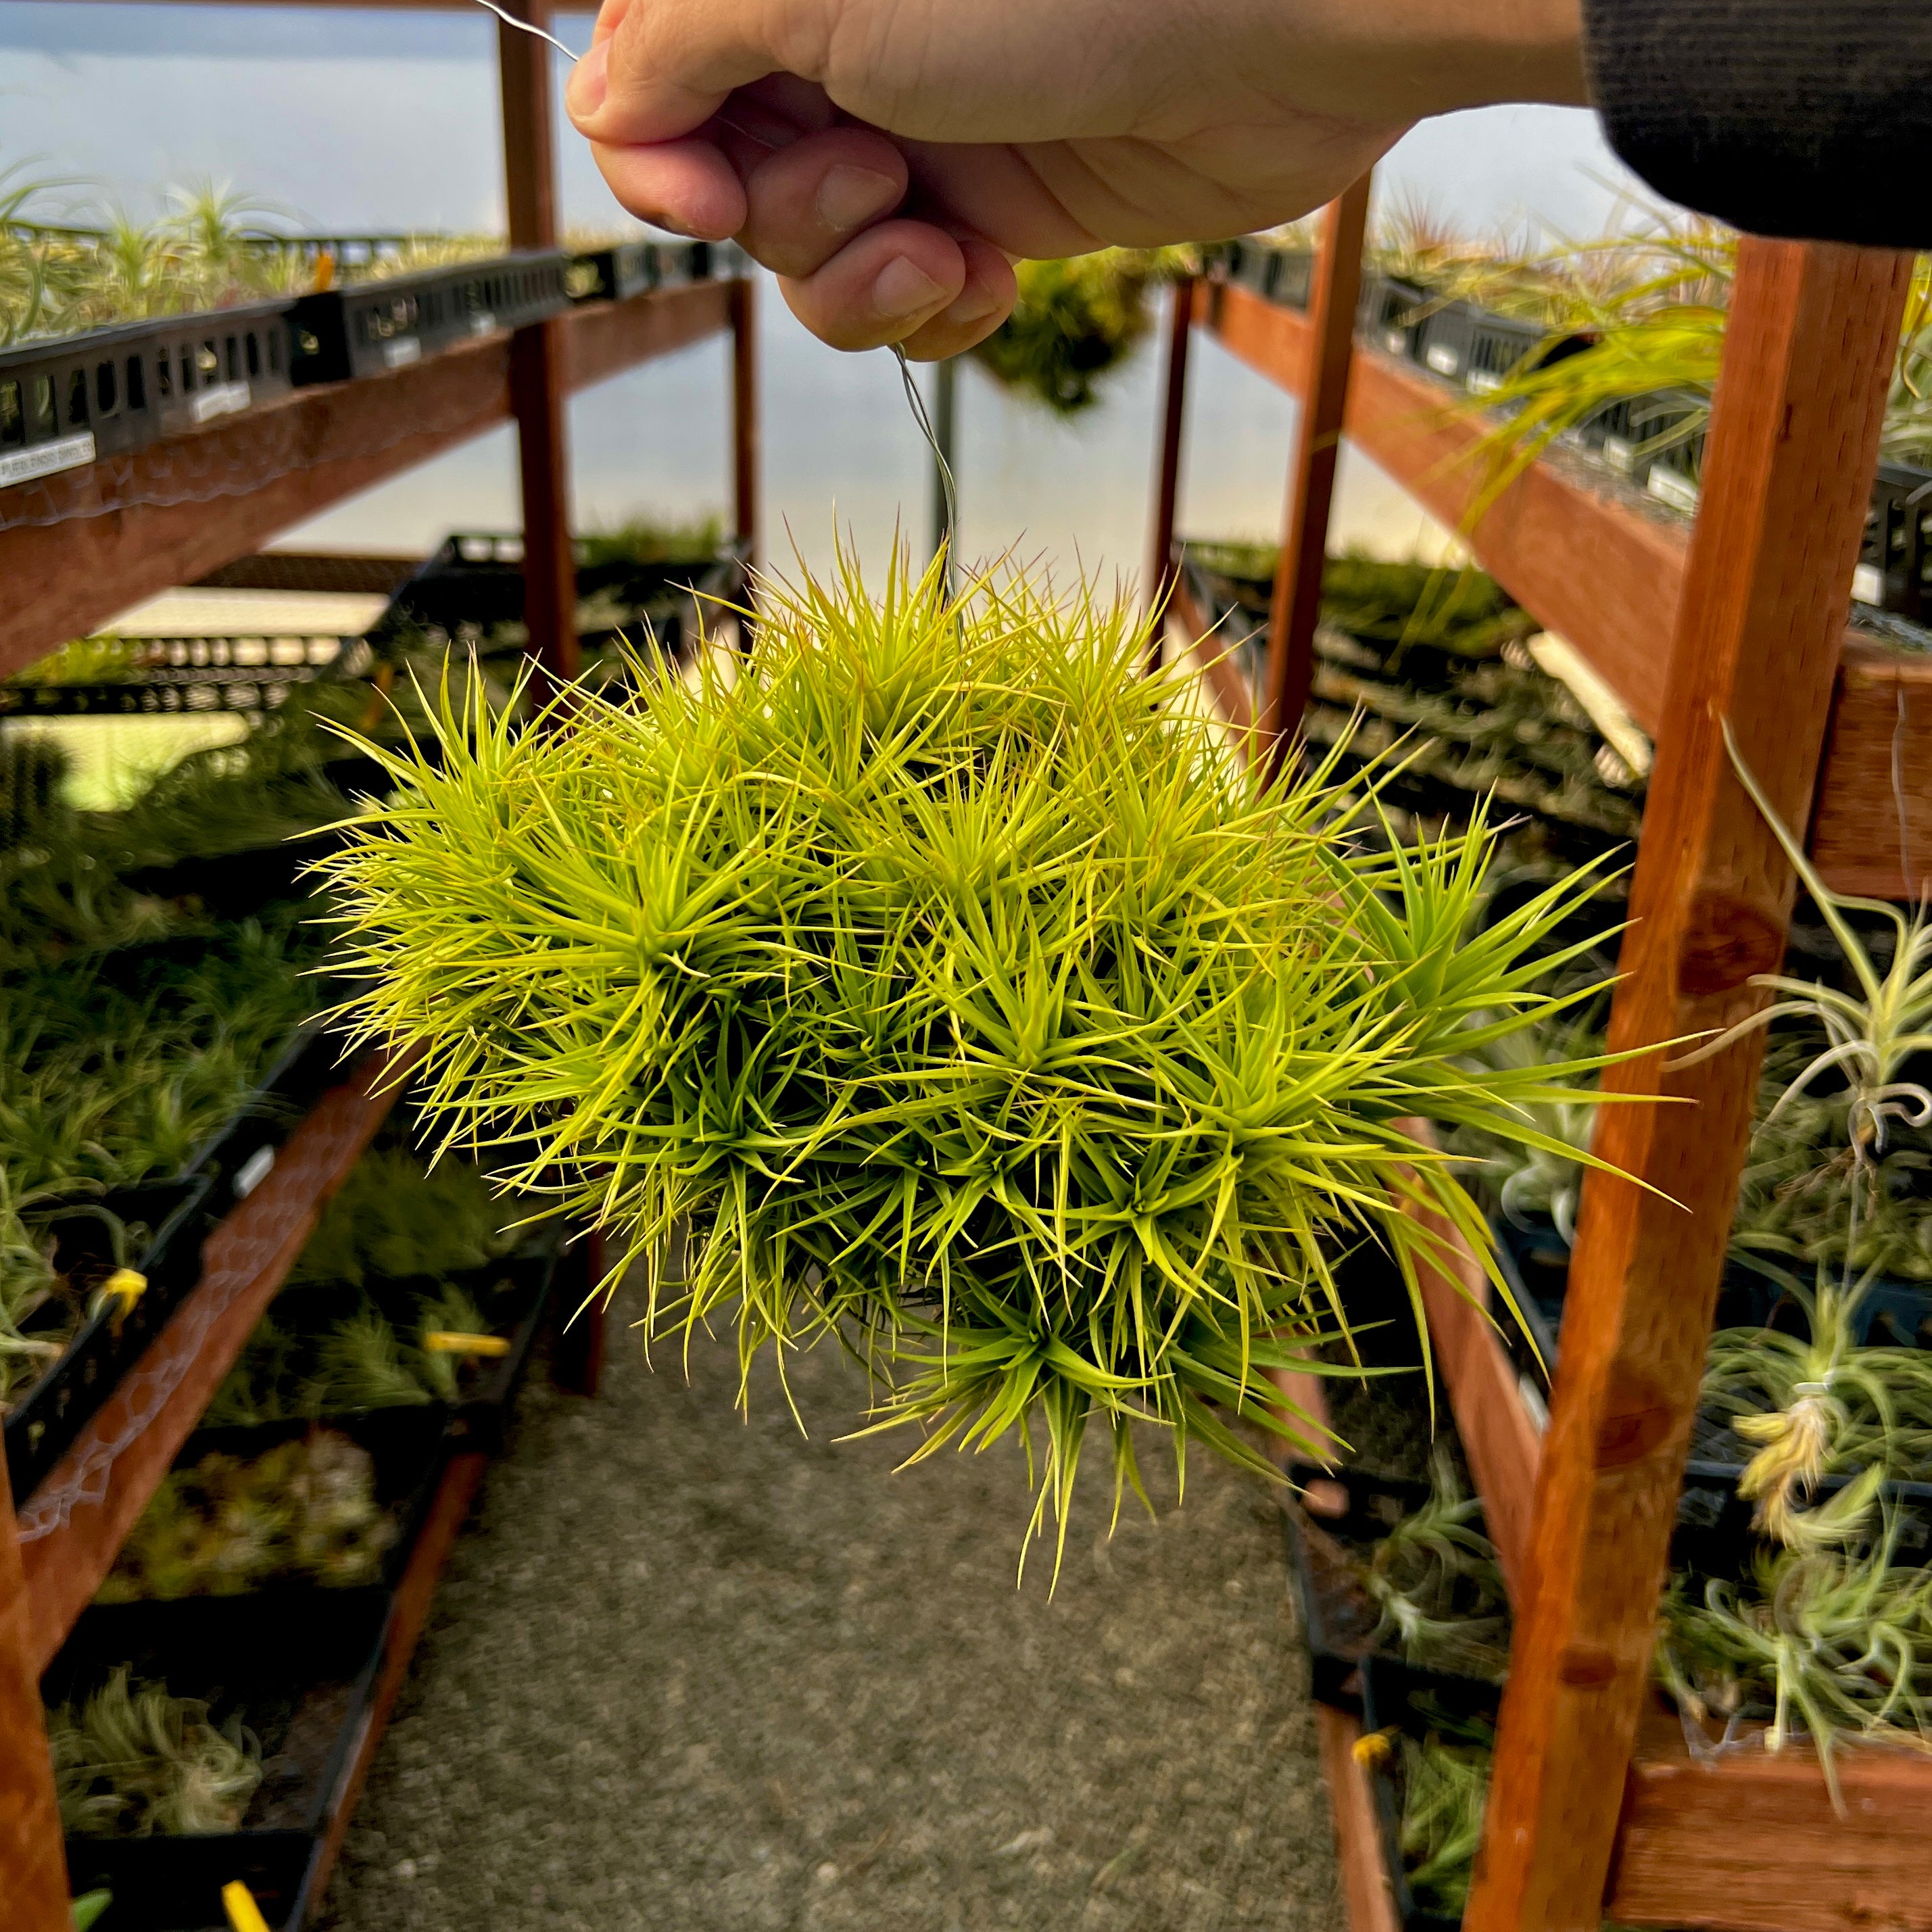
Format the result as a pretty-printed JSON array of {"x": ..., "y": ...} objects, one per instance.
[{"x": 685, "y": 1673}]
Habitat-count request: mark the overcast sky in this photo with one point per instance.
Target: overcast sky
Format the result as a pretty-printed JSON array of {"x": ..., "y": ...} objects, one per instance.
[{"x": 361, "y": 118}]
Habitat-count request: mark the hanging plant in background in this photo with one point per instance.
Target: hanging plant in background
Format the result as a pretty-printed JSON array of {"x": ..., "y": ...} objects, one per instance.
[
  {"x": 963, "y": 996},
  {"x": 1075, "y": 321}
]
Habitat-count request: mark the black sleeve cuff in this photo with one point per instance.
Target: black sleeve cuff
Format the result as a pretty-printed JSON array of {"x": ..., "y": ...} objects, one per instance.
[{"x": 1802, "y": 118}]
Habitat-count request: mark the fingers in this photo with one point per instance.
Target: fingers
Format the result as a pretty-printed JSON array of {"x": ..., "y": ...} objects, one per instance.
[
  {"x": 807, "y": 201},
  {"x": 882, "y": 287},
  {"x": 688, "y": 186},
  {"x": 984, "y": 302}
]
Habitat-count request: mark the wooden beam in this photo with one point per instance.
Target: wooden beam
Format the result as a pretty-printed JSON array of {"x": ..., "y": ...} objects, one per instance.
[
  {"x": 1603, "y": 567},
  {"x": 1366, "y": 1894},
  {"x": 1296, "y": 606},
  {"x": 455, "y": 1495},
  {"x": 1751, "y": 1843},
  {"x": 747, "y": 443},
  {"x": 32, "y": 1861},
  {"x": 1160, "y": 565},
  {"x": 68, "y": 1550},
  {"x": 77, "y": 549},
  {"x": 1794, "y": 437},
  {"x": 537, "y": 353}
]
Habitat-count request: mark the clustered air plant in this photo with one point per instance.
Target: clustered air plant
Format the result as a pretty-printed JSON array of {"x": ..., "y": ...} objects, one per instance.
[
  {"x": 305, "y": 1509},
  {"x": 133, "y": 1761},
  {"x": 961, "y": 995},
  {"x": 1832, "y": 1643},
  {"x": 1436, "y": 1584},
  {"x": 320, "y": 1353},
  {"x": 369, "y": 1319},
  {"x": 1642, "y": 318},
  {"x": 1076, "y": 320},
  {"x": 397, "y": 1218},
  {"x": 64, "y": 267},
  {"x": 1445, "y": 1788},
  {"x": 133, "y": 1025}
]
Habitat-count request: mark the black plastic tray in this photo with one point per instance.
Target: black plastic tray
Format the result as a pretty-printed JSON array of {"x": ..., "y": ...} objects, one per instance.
[
  {"x": 240, "y": 1156},
  {"x": 216, "y": 683},
  {"x": 617, "y": 273},
  {"x": 41, "y": 1426},
  {"x": 409, "y": 1446},
  {"x": 1389, "y": 1690},
  {"x": 368, "y": 328},
  {"x": 1337, "y": 1619},
  {"x": 302, "y": 1671},
  {"x": 69, "y": 400}
]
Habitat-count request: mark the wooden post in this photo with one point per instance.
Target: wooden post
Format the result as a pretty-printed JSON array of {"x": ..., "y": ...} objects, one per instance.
[
  {"x": 576, "y": 1361},
  {"x": 1807, "y": 358},
  {"x": 537, "y": 353},
  {"x": 1311, "y": 483},
  {"x": 746, "y": 480},
  {"x": 1160, "y": 565},
  {"x": 33, "y": 1862}
]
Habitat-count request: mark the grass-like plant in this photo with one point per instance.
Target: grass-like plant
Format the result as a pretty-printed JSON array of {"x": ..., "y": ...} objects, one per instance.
[
  {"x": 132, "y": 1760},
  {"x": 964, "y": 998},
  {"x": 1445, "y": 1792}
]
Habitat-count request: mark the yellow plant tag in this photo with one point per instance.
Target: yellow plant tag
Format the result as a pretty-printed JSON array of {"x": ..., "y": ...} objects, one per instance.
[
  {"x": 447, "y": 1342},
  {"x": 128, "y": 1283},
  {"x": 1371, "y": 1752},
  {"x": 243, "y": 1914}
]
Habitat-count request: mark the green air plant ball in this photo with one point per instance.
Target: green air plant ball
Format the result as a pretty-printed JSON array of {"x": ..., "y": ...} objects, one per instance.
[{"x": 963, "y": 996}]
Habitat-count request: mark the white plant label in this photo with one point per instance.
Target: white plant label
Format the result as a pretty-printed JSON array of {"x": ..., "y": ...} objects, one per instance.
[
  {"x": 253, "y": 1172},
  {"x": 400, "y": 352},
  {"x": 1442, "y": 359},
  {"x": 47, "y": 459},
  {"x": 1868, "y": 584},
  {"x": 223, "y": 399},
  {"x": 482, "y": 323}
]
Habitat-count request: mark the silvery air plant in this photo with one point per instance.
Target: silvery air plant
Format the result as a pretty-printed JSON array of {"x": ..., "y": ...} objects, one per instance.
[{"x": 963, "y": 998}]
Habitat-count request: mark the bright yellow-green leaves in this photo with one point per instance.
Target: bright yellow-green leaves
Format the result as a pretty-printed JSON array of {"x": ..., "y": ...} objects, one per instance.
[{"x": 958, "y": 993}]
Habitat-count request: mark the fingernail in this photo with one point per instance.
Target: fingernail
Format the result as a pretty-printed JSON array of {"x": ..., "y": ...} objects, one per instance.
[
  {"x": 903, "y": 288},
  {"x": 850, "y": 195},
  {"x": 974, "y": 305},
  {"x": 588, "y": 81}
]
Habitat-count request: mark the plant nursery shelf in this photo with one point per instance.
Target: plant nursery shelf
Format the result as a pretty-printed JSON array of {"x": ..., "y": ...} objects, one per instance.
[
  {"x": 77, "y": 547},
  {"x": 1602, "y": 567},
  {"x": 1682, "y": 1859},
  {"x": 160, "y": 1400}
]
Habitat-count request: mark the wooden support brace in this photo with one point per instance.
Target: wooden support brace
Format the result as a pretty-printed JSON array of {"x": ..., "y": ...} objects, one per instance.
[
  {"x": 33, "y": 1865},
  {"x": 1794, "y": 429},
  {"x": 746, "y": 447},
  {"x": 1160, "y": 563},
  {"x": 537, "y": 353},
  {"x": 1311, "y": 484}
]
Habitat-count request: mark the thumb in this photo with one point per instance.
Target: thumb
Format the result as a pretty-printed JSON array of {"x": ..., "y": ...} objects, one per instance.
[{"x": 660, "y": 69}]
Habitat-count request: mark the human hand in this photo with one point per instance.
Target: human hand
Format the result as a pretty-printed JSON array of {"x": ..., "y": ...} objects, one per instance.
[{"x": 890, "y": 158}]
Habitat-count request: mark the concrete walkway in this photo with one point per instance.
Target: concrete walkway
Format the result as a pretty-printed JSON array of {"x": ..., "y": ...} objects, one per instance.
[{"x": 692, "y": 1675}]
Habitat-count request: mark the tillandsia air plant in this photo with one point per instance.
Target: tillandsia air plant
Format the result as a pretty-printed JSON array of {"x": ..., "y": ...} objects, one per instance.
[
  {"x": 305, "y": 1509},
  {"x": 1545, "y": 1178},
  {"x": 1074, "y": 320},
  {"x": 1445, "y": 1792},
  {"x": 1436, "y": 1585},
  {"x": 1872, "y": 1034},
  {"x": 1829, "y": 1643},
  {"x": 132, "y": 1760},
  {"x": 964, "y": 997}
]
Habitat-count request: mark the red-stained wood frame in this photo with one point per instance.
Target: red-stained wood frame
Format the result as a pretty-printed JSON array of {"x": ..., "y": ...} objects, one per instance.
[
  {"x": 1795, "y": 426},
  {"x": 537, "y": 352},
  {"x": 174, "y": 511},
  {"x": 1296, "y": 606},
  {"x": 1603, "y": 567}
]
